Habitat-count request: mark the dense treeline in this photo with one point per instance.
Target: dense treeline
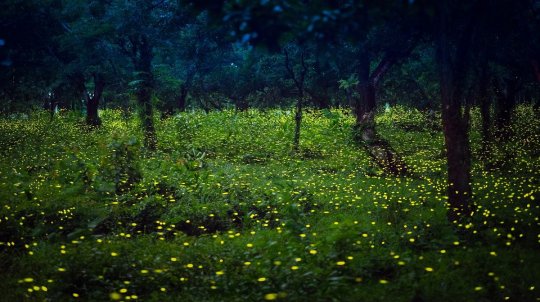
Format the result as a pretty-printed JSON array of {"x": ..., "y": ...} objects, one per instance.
[{"x": 174, "y": 55}]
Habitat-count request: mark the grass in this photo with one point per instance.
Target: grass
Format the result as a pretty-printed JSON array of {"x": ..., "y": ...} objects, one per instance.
[{"x": 224, "y": 212}]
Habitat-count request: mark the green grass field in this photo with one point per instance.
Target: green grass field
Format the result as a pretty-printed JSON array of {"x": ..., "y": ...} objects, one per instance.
[{"x": 223, "y": 211}]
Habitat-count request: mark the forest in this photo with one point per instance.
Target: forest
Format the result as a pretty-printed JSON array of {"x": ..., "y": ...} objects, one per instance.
[{"x": 259, "y": 150}]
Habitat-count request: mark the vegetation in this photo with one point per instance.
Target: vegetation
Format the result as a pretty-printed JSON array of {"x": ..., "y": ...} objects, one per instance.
[
  {"x": 262, "y": 150},
  {"x": 222, "y": 212}
]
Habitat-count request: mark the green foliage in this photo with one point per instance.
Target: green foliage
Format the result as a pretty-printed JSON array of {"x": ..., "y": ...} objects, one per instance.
[{"x": 222, "y": 211}]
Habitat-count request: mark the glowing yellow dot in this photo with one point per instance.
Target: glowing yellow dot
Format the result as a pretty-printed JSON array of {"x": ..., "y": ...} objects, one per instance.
[
  {"x": 429, "y": 269},
  {"x": 261, "y": 279},
  {"x": 115, "y": 296},
  {"x": 270, "y": 296},
  {"x": 340, "y": 263}
]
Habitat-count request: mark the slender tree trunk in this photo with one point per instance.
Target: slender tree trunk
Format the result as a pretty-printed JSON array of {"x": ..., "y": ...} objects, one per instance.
[
  {"x": 299, "y": 82},
  {"x": 298, "y": 122},
  {"x": 536, "y": 69},
  {"x": 143, "y": 65},
  {"x": 53, "y": 102}
]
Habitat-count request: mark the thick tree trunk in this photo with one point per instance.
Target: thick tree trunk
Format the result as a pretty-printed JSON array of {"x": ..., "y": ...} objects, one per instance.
[
  {"x": 456, "y": 136},
  {"x": 241, "y": 104},
  {"x": 92, "y": 102},
  {"x": 92, "y": 118},
  {"x": 322, "y": 101},
  {"x": 459, "y": 161},
  {"x": 364, "y": 109},
  {"x": 182, "y": 98}
]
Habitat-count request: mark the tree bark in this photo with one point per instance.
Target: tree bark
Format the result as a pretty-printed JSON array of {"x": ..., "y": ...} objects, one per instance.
[
  {"x": 241, "y": 104},
  {"x": 299, "y": 82},
  {"x": 182, "y": 98},
  {"x": 456, "y": 136},
  {"x": 92, "y": 102},
  {"x": 364, "y": 109},
  {"x": 143, "y": 65},
  {"x": 298, "y": 122}
]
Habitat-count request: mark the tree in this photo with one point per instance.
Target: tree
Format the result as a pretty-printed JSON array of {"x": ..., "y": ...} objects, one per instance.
[
  {"x": 367, "y": 25},
  {"x": 91, "y": 56},
  {"x": 141, "y": 26},
  {"x": 298, "y": 78},
  {"x": 453, "y": 57},
  {"x": 30, "y": 55},
  {"x": 190, "y": 55}
]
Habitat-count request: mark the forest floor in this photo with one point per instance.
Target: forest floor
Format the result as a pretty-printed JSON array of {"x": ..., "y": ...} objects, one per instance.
[{"x": 223, "y": 211}]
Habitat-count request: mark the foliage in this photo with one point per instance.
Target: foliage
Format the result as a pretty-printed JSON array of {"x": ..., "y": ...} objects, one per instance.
[{"x": 221, "y": 211}]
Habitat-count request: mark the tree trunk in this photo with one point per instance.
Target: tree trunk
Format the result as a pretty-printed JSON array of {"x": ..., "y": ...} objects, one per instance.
[
  {"x": 92, "y": 118},
  {"x": 182, "y": 99},
  {"x": 364, "y": 107},
  {"x": 322, "y": 102},
  {"x": 92, "y": 102},
  {"x": 53, "y": 102},
  {"x": 241, "y": 104},
  {"x": 459, "y": 161},
  {"x": 143, "y": 66},
  {"x": 299, "y": 83},
  {"x": 298, "y": 122},
  {"x": 456, "y": 137}
]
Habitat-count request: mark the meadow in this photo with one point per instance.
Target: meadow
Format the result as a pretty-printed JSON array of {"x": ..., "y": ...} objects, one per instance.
[{"x": 224, "y": 211}]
